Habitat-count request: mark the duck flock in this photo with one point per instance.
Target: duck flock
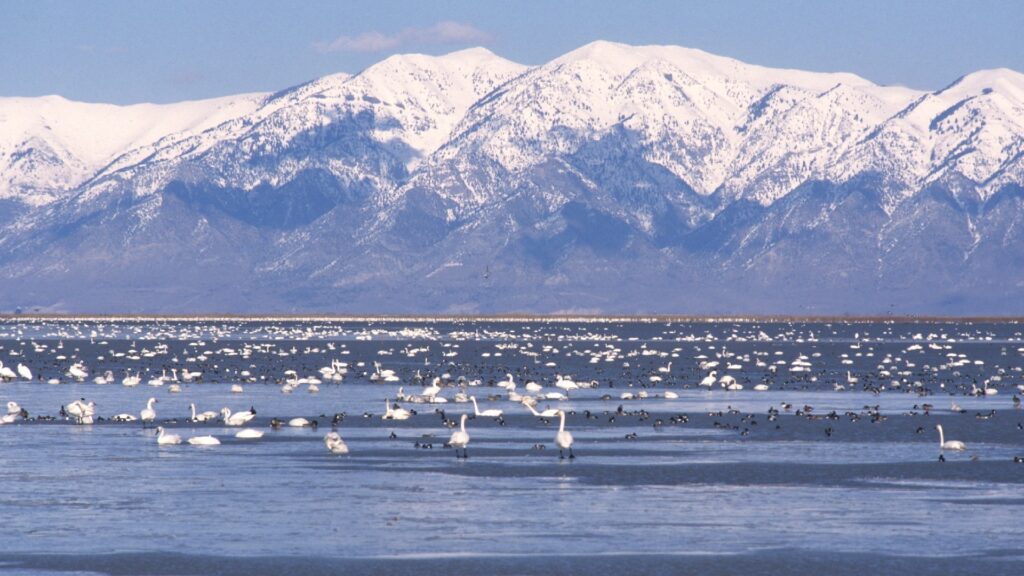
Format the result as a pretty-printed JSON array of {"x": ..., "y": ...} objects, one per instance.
[{"x": 445, "y": 373}]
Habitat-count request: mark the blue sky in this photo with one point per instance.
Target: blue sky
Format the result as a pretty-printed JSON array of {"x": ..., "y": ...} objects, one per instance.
[{"x": 134, "y": 51}]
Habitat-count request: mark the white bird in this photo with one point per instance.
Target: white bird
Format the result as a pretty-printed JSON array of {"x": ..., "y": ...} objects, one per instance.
[
  {"x": 203, "y": 441},
  {"x": 670, "y": 395},
  {"x": 489, "y": 413},
  {"x": 24, "y": 372},
  {"x": 434, "y": 389},
  {"x": 665, "y": 369},
  {"x": 148, "y": 414},
  {"x": 565, "y": 383},
  {"x": 237, "y": 389},
  {"x": 460, "y": 438},
  {"x": 6, "y": 373},
  {"x": 563, "y": 439},
  {"x": 301, "y": 423},
  {"x": 249, "y": 434},
  {"x": 395, "y": 413},
  {"x": 78, "y": 372},
  {"x": 202, "y": 416},
  {"x": 131, "y": 381},
  {"x": 335, "y": 444},
  {"x": 951, "y": 444},
  {"x": 709, "y": 380},
  {"x": 14, "y": 411},
  {"x": 164, "y": 439},
  {"x": 237, "y": 418},
  {"x": 549, "y": 413},
  {"x": 11, "y": 418},
  {"x": 81, "y": 411}
]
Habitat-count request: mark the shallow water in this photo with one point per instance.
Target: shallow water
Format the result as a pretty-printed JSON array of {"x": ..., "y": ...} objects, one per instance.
[{"x": 725, "y": 490}]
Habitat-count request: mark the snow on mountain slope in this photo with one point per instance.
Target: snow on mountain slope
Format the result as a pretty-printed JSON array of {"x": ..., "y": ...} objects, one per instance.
[
  {"x": 50, "y": 145},
  {"x": 403, "y": 184},
  {"x": 717, "y": 123},
  {"x": 370, "y": 128}
]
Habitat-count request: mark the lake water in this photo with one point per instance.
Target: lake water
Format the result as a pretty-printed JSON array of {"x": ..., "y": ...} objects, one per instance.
[{"x": 817, "y": 473}]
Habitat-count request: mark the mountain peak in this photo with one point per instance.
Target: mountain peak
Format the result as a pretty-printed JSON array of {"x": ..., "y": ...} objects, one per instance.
[{"x": 1003, "y": 80}]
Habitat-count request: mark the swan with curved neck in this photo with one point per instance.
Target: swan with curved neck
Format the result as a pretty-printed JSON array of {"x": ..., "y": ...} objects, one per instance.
[
  {"x": 202, "y": 416},
  {"x": 236, "y": 418},
  {"x": 460, "y": 438},
  {"x": 165, "y": 439},
  {"x": 549, "y": 413},
  {"x": 489, "y": 413},
  {"x": 951, "y": 444},
  {"x": 392, "y": 413},
  {"x": 148, "y": 414},
  {"x": 563, "y": 439}
]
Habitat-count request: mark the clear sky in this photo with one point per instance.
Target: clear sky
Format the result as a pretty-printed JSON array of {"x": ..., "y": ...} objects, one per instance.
[{"x": 132, "y": 51}]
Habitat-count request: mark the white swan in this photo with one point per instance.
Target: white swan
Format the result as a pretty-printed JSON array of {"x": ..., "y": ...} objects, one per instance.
[
  {"x": 78, "y": 372},
  {"x": 489, "y": 413},
  {"x": 131, "y": 381},
  {"x": 203, "y": 441},
  {"x": 202, "y": 416},
  {"x": 563, "y": 439},
  {"x": 249, "y": 434},
  {"x": 709, "y": 380},
  {"x": 565, "y": 383},
  {"x": 237, "y": 418},
  {"x": 951, "y": 444},
  {"x": 460, "y": 438},
  {"x": 164, "y": 438},
  {"x": 14, "y": 411},
  {"x": 24, "y": 372},
  {"x": 395, "y": 413},
  {"x": 335, "y": 444},
  {"x": 434, "y": 389},
  {"x": 549, "y": 413},
  {"x": 12, "y": 418},
  {"x": 670, "y": 395},
  {"x": 148, "y": 414},
  {"x": 301, "y": 423},
  {"x": 81, "y": 411}
]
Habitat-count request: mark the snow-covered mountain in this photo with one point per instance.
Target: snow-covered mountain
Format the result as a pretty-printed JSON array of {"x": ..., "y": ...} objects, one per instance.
[{"x": 614, "y": 178}]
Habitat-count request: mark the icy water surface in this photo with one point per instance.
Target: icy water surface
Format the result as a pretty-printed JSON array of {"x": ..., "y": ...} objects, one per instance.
[{"x": 833, "y": 468}]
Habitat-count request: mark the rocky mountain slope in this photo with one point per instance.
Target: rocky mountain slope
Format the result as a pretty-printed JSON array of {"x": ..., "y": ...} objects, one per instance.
[{"x": 612, "y": 179}]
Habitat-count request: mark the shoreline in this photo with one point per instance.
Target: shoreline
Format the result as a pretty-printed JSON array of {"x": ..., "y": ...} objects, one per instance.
[{"x": 512, "y": 317}]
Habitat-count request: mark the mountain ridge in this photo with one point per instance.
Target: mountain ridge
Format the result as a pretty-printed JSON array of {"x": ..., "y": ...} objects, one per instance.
[{"x": 611, "y": 179}]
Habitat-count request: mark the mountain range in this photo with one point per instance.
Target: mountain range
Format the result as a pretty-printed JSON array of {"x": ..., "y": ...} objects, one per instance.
[{"x": 613, "y": 179}]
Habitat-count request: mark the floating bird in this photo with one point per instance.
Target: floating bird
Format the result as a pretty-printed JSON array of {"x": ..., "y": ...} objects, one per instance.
[
  {"x": 203, "y": 441},
  {"x": 950, "y": 444},
  {"x": 148, "y": 414},
  {"x": 237, "y": 418},
  {"x": 335, "y": 444},
  {"x": 163, "y": 438}
]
